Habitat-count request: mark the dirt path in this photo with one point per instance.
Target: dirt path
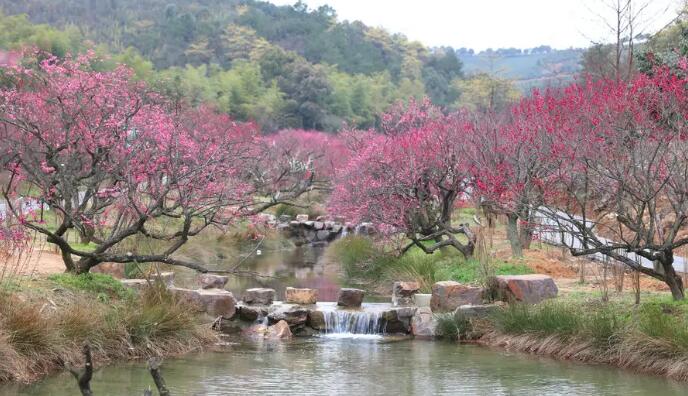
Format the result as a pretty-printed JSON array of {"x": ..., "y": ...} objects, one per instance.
[{"x": 35, "y": 263}]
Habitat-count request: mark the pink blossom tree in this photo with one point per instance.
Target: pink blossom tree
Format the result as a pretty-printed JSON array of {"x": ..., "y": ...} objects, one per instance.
[
  {"x": 118, "y": 164},
  {"x": 408, "y": 179}
]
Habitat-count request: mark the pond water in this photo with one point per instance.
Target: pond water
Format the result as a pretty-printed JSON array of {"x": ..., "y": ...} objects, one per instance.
[
  {"x": 362, "y": 366},
  {"x": 304, "y": 266}
]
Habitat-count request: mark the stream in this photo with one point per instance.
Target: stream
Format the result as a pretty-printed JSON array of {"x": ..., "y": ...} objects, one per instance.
[{"x": 362, "y": 365}]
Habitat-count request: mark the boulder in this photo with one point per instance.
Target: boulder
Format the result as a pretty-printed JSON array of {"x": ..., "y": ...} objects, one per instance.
[
  {"x": 336, "y": 229},
  {"x": 214, "y": 302},
  {"x": 318, "y": 225},
  {"x": 259, "y": 296},
  {"x": 530, "y": 289},
  {"x": 217, "y": 302},
  {"x": 449, "y": 295},
  {"x": 311, "y": 236},
  {"x": 308, "y": 224},
  {"x": 423, "y": 324},
  {"x": 316, "y": 320},
  {"x": 398, "y": 320},
  {"x": 402, "y": 293},
  {"x": 352, "y": 298},
  {"x": 191, "y": 297},
  {"x": 301, "y": 217},
  {"x": 278, "y": 331},
  {"x": 251, "y": 313},
  {"x": 210, "y": 281},
  {"x": 300, "y": 296},
  {"x": 323, "y": 235},
  {"x": 292, "y": 314}
]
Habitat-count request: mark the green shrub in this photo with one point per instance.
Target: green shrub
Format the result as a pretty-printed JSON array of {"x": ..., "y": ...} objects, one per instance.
[
  {"x": 664, "y": 322},
  {"x": 356, "y": 255},
  {"x": 105, "y": 286},
  {"x": 421, "y": 267},
  {"x": 468, "y": 271},
  {"x": 451, "y": 327},
  {"x": 288, "y": 210},
  {"x": 550, "y": 317}
]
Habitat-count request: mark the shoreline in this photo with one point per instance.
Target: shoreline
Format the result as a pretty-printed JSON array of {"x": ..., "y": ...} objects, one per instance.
[{"x": 585, "y": 352}]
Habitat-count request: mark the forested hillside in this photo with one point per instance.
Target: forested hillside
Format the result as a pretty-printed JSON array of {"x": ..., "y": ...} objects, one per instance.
[
  {"x": 533, "y": 67},
  {"x": 283, "y": 66}
]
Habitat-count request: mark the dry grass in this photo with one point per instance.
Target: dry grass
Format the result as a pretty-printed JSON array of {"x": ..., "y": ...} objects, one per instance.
[
  {"x": 39, "y": 335},
  {"x": 651, "y": 338},
  {"x": 635, "y": 353}
]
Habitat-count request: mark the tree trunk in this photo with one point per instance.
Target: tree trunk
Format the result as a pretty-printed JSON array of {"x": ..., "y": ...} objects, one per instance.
[
  {"x": 512, "y": 235},
  {"x": 84, "y": 265},
  {"x": 68, "y": 260},
  {"x": 526, "y": 230},
  {"x": 671, "y": 278}
]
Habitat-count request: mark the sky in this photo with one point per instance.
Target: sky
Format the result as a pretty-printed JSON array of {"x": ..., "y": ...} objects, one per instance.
[{"x": 481, "y": 24}]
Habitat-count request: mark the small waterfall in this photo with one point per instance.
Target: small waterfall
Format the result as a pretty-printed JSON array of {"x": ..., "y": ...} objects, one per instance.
[{"x": 353, "y": 322}]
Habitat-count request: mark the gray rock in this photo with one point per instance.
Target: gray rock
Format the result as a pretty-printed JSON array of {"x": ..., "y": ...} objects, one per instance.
[
  {"x": 402, "y": 293},
  {"x": 350, "y": 297},
  {"x": 397, "y": 321},
  {"x": 423, "y": 323},
  {"x": 318, "y": 225},
  {"x": 211, "y": 281},
  {"x": 292, "y": 314},
  {"x": 323, "y": 235},
  {"x": 259, "y": 296},
  {"x": 251, "y": 313},
  {"x": 214, "y": 302},
  {"x": 316, "y": 320},
  {"x": 217, "y": 302}
]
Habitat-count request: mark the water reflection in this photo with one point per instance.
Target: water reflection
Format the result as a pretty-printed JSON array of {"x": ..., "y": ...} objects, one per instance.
[
  {"x": 304, "y": 266},
  {"x": 385, "y": 366}
]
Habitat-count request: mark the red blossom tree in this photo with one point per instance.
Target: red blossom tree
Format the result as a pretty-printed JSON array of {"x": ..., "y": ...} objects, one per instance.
[
  {"x": 622, "y": 178},
  {"x": 120, "y": 165},
  {"x": 512, "y": 157},
  {"x": 408, "y": 179}
]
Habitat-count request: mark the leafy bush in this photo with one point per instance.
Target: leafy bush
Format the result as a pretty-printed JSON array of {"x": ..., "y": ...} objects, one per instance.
[{"x": 105, "y": 286}]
